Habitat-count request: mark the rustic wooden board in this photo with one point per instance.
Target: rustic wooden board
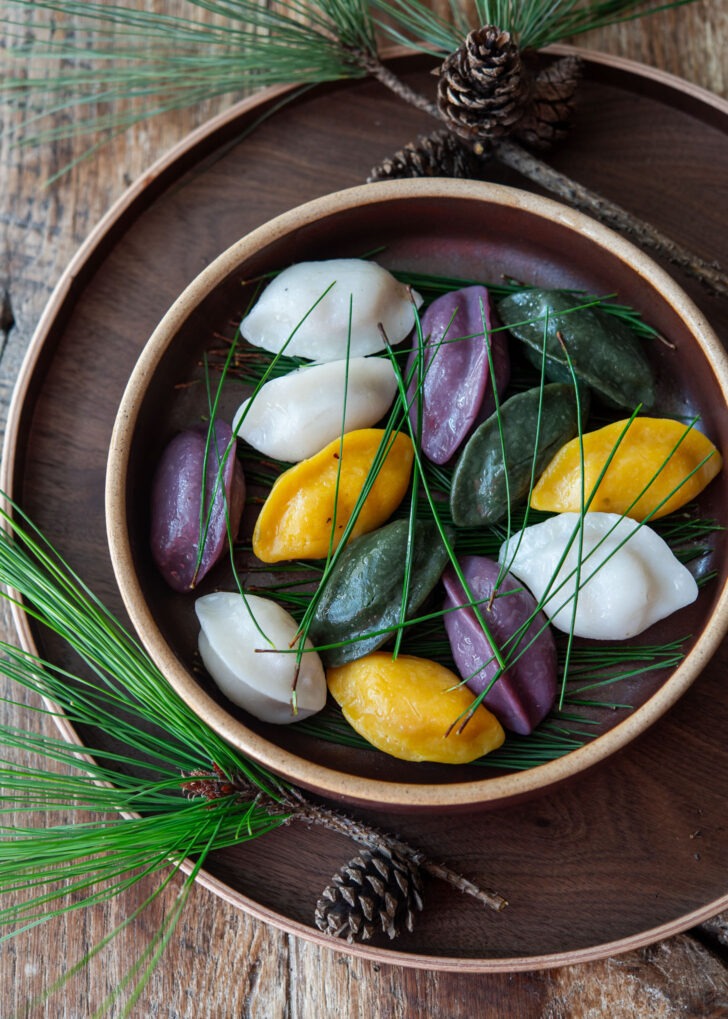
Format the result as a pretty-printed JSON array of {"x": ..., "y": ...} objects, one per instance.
[{"x": 608, "y": 863}]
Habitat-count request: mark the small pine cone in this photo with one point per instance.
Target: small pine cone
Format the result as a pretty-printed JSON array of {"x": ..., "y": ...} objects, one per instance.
[
  {"x": 483, "y": 88},
  {"x": 439, "y": 154},
  {"x": 548, "y": 117},
  {"x": 376, "y": 890}
]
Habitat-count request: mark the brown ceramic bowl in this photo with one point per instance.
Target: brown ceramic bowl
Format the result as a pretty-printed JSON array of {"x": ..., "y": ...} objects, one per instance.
[{"x": 455, "y": 228}]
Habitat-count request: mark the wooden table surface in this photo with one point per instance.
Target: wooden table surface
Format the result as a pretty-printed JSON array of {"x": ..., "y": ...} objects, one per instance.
[{"x": 221, "y": 962}]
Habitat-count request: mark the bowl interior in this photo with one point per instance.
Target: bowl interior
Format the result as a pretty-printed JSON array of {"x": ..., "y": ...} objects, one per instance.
[{"x": 457, "y": 229}]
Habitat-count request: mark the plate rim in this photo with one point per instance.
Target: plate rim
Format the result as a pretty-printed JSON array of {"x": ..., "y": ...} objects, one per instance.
[{"x": 71, "y": 283}]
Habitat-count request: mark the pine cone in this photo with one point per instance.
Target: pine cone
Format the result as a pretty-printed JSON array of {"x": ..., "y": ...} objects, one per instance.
[
  {"x": 483, "y": 88},
  {"x": 549, "y": 113},
  {"x": 376, "y": 890},
  {"x": 439, "y": 154}
]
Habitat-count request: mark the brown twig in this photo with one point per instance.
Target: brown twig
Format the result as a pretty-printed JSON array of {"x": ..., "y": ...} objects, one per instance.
[
  {"x": 646, "y": 235},
  {"x": 364, "y": 834},
  {"x": 292, "y": 802}
]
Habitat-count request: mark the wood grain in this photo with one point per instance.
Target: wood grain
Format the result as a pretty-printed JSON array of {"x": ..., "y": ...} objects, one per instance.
[{"x": 222, "y": 962}]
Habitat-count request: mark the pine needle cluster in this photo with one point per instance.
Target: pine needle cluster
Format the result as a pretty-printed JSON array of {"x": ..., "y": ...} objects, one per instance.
[
  {"x": 123, "y": 62},
  {"x": 132, "y": 818}
]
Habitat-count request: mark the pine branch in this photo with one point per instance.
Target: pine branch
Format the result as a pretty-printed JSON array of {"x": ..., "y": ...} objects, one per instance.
[
  {"x": 512, "y": 155},
  {"x": 62, "y": 866},
  {"x": 154, "y": 62}
]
